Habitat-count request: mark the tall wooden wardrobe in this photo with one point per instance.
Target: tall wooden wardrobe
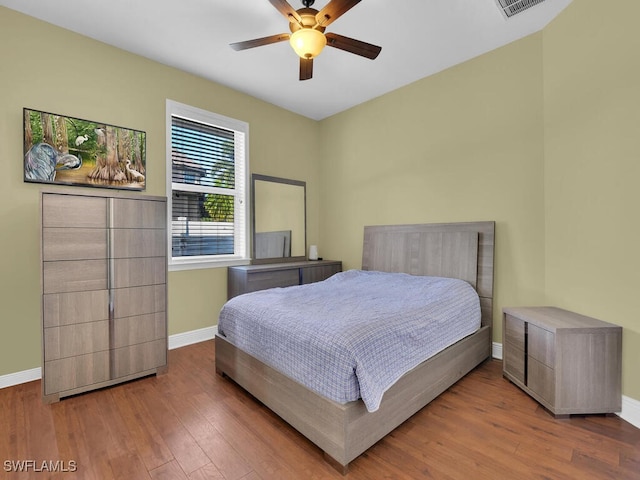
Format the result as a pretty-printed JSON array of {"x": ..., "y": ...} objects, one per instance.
[{"x": 104, "y": 294}]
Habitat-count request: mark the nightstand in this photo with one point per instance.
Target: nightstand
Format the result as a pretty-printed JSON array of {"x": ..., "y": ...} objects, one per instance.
[{"x": 570, "y": 363}]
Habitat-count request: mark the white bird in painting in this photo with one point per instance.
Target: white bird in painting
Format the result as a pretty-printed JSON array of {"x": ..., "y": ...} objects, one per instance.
[
  {"x": 135, "y": 175},
  {"x": 81, "y": 139}
]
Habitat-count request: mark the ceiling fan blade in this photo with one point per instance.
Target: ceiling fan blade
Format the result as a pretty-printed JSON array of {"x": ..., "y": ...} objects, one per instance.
[
  {"x": 333, "y": 10},
  {"x": 287, "y": 10},
  {"x": 306, "y": 68},
  {"x": 352, "y": 46},
  {"x": 258, "y": 42}
]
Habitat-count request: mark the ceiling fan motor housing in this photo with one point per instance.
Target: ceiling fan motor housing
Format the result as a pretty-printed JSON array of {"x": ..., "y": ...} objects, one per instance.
[{"x": 308, "y": 20}]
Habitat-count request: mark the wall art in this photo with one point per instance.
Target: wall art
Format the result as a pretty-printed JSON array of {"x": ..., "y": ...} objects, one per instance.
[{"x": 71, "y": 151}]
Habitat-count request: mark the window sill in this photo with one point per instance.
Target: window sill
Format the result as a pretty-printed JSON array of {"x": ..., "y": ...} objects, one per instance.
[{"x": 199, "y": 264}]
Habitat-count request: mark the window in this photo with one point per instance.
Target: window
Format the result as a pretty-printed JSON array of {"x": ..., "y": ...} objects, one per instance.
[{"x": 207, "y": 169}]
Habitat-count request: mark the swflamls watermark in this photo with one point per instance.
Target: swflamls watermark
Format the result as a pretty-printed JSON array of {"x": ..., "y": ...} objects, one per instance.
[{"x": 57, "y": 466}]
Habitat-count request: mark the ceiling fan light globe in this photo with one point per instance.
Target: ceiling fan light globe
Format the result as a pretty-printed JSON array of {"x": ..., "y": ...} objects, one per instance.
[{"x": 308, "y": 42}]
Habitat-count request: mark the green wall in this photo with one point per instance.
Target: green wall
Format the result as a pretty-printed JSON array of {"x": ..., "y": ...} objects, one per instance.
[
  {"x": 51, "y": 69},
  {"x": 592, "y": 167},
  {"x": 541, "y": 136},
  {"x": 462, "y": 145}
]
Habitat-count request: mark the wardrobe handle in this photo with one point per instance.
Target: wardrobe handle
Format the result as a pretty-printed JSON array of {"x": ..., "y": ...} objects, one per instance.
[{"x": 110, "y": 284}]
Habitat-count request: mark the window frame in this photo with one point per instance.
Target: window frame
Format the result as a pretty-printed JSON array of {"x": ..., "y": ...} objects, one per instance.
[{"x": 242, "y": 254}]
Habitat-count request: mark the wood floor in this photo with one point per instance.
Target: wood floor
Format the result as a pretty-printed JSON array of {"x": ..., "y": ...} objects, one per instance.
[{"x": 193, "y": 424}]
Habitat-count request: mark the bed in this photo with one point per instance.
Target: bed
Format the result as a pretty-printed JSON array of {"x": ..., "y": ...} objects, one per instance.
[{"x": 343, "y": 431}]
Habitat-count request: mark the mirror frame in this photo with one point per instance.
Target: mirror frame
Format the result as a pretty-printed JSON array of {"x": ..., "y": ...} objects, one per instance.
[{"x": 266, "y": 178}]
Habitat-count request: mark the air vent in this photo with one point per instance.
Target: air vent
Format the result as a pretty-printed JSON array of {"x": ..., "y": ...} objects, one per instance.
[{"x": 513, "y": 7}]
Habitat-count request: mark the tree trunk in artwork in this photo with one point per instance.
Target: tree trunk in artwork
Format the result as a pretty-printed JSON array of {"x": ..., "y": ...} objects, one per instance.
[
  {"x": 62, "y": 139},
  {"x": 28, "y": 132},
  {"x": 124, "y": 150},
  {"x": 47, "y": 129},
  {"x": 107, "y": 166},
  {"x": 137, "y": 153}
]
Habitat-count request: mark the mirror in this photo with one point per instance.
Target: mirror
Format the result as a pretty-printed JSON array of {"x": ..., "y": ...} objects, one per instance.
[{"x": 278, "y": 219}]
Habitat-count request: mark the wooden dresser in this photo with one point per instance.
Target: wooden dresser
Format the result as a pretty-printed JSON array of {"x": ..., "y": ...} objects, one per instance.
[
  {"x": 250, "y": 278},
  {"x": 104, "y": 298},
  {"x": 570, "y": 363}
]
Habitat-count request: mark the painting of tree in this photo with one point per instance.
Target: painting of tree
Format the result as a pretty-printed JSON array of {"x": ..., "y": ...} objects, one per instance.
[{"x": 72, "y": 151}]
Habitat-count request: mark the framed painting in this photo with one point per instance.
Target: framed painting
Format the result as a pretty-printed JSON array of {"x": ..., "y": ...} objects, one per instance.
[{"x": 71, "y": 151}]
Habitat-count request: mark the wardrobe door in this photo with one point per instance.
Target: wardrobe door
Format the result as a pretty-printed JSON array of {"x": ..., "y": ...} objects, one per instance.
[
  {"x": 138, "y": 284},
  {"x": 75, "y": 314}
]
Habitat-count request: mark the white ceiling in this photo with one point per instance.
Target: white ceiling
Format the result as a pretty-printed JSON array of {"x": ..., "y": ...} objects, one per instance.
[{"x": 418, "y": 38}]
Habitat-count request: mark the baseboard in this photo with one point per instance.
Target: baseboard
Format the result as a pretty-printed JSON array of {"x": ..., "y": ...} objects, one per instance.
[
  {"x": 17, "y": 378},
  {"x": 496, "y": 350},
  {"x": 175, "y": 341},
  {"x": 194, "y": 336},
  {"x": 630, "y": 411}
]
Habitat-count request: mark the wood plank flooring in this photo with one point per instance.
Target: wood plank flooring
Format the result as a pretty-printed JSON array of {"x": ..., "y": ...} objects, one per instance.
[{"x": 193, "y": 424}]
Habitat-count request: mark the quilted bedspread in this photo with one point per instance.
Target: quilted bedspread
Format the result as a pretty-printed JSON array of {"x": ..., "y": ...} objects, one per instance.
[{"x": 355, "y": 334}]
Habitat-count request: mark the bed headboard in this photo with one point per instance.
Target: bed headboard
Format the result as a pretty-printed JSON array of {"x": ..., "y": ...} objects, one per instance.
[{"x": 456, "y": 250}]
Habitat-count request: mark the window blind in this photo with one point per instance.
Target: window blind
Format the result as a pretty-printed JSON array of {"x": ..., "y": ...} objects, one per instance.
[
  {"x": 202, "y": 154},
  {"x": 204, "y": 193}
]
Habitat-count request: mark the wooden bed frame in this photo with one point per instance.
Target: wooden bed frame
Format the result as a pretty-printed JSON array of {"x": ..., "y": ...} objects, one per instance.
[{"x": 344, "y": 431}]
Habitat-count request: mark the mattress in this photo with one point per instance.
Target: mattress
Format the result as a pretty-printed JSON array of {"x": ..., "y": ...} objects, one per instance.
[{"x": 355, "y": 334}]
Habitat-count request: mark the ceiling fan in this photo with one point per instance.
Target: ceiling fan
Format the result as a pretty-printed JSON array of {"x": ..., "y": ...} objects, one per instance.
[{"x": 307, "y": 35}]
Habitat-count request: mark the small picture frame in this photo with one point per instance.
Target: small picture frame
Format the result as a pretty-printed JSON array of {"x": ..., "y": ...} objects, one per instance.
[{"x": 70, "y": 151}]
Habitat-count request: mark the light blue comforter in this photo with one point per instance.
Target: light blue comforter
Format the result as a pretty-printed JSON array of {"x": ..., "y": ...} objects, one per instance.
[{"x": 355, "y": 334}]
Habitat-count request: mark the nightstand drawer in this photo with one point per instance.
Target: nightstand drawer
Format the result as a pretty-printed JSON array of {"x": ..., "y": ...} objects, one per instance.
[
  {"x": 513, "y": 360},
  {"x": 541, "y": 380},
  {"x": 514, "y": 332},
  {"x": 541, "y": 345}
]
